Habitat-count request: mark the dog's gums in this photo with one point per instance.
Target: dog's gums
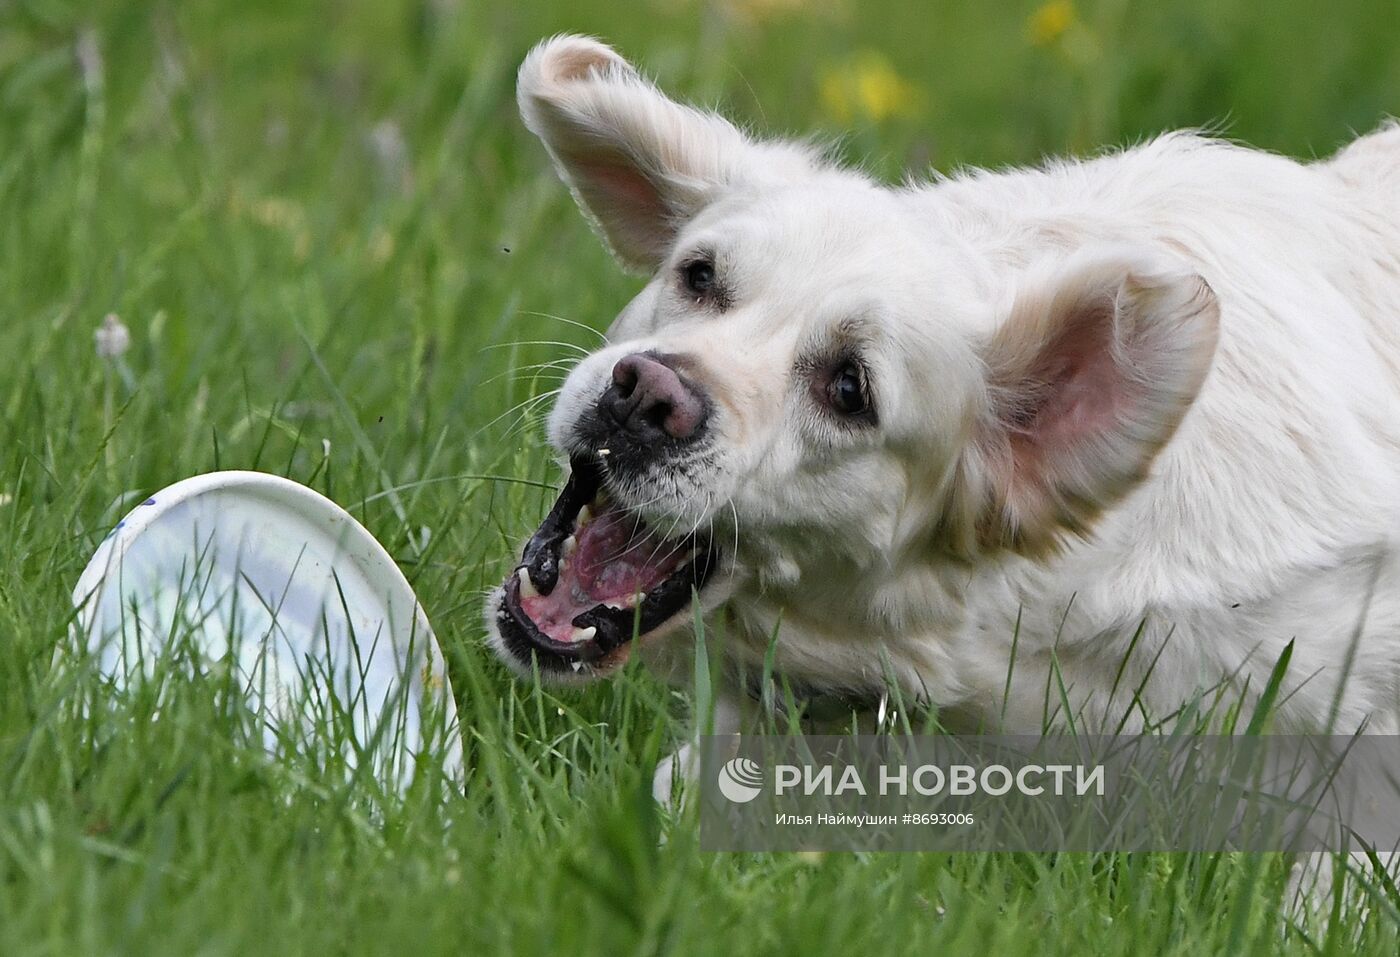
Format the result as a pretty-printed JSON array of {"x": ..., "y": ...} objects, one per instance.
[{"x": 594, "y": 576}]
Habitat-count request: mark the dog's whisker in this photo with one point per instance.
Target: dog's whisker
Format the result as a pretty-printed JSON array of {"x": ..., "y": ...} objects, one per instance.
[
  {"x": 553, "y": 365},
  {"x": 602, "y": 336},
  {"x": 527, "y": 403},
  {"x": 525, "y": 408},
  {"x": 518, "y": 343},
  {"x": 525, "y": 374}
]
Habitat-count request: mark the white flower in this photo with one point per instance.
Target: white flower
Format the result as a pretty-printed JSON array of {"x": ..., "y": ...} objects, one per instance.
[{"x": 113, "y": 338}]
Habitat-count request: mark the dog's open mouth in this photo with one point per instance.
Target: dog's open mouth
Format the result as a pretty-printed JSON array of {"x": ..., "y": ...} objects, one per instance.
[{"x": 593, "y": 576}]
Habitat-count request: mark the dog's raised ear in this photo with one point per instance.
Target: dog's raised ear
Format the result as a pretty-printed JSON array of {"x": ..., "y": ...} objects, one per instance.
[
  {"x": 639, "y": 164},
  {"x": 1087, "y": 379}
]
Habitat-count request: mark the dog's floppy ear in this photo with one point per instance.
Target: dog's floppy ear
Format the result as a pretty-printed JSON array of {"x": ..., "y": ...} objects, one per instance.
[
  {"x": 1087, "y": 379},
  {"x": 639, "y": 164}
]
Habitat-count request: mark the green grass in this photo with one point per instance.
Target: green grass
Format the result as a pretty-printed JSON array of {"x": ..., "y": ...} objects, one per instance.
[{"x": 338, "y": 254}]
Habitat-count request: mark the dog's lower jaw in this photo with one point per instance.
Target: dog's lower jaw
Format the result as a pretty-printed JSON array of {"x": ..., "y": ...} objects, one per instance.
[{"x": 668, "y": 650}]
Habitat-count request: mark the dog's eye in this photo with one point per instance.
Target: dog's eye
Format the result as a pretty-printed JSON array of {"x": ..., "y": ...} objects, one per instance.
[
  {"x": 846, "y": 390},
  {"x": 700, "y": 276}
]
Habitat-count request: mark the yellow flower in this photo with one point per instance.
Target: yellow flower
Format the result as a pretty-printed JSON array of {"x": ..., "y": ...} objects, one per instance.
[
  {"x": 1050, "y": 22},
  {"x": 277, "y": 213},
  {"x": 867, "y": 86},
  {"x": 283, "y": 215}
]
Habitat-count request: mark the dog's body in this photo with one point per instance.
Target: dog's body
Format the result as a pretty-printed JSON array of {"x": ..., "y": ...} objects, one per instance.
[{"x": 1135, "y": 420}]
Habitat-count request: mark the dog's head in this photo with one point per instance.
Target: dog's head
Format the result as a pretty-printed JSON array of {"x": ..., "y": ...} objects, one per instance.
[{"x": 822, "y": 382}]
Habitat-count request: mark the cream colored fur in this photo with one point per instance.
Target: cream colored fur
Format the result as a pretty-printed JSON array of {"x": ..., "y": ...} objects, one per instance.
[{"x": 1156, "y": 388}]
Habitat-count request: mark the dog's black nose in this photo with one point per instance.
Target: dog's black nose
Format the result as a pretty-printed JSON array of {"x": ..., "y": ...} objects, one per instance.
[{"x": 650, "y": 401}]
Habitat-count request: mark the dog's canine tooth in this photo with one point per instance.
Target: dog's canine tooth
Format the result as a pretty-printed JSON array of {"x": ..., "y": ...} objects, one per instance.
[
  {"x": 585, "y": 515},
  {"x": 527, "y": 587},
  {"x": 569, "y": 546},
  {"x": 576, "y": 665},
  {"x": 583, "y": 634}
]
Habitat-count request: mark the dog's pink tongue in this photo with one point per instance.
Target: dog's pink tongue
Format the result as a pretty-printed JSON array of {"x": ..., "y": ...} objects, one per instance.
[{"x": 616, "y": 559}]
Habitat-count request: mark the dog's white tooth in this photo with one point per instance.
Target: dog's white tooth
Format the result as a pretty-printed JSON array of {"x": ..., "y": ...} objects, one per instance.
[
  {"x": 583, "y": 634},
  {"x": 585, "y": 515},
  {"x": 569, "y": 546},
  {"x": 576, "y": 665},
  {"x": 604, "y": 453},
  {"x": 641, "y": 597},
  {"x": 527, "y": 587}
]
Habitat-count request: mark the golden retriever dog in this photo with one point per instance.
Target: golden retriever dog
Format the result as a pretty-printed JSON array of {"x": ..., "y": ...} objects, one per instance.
[{"x": 1134, "y": 418}]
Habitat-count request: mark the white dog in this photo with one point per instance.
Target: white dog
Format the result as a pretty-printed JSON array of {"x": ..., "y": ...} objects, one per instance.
[{"x": 1135, "y": 419}]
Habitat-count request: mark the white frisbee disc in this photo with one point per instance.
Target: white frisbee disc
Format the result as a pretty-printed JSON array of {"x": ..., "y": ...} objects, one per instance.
[{"x": 274, "y": 577}]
